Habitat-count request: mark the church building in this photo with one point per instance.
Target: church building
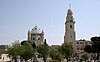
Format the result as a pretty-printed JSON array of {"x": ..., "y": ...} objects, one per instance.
[
  {"x": 36, "y": 35},
  {"x": 70, "y": 35},
  {"x": 69, "y": 28}
]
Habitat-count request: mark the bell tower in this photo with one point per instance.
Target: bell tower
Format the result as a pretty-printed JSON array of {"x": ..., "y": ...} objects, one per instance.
[{"x": 69, "y": 27}]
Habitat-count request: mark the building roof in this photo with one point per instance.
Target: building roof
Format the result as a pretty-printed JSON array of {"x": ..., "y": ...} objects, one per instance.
[
  {"x": 3, "y": 49},
  {"x": 36, "y": 30},
  {"x": 69, "y": 12}
]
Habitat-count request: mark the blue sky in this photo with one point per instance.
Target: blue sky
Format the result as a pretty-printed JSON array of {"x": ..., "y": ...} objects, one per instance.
[{"x": 18, "y": 16}]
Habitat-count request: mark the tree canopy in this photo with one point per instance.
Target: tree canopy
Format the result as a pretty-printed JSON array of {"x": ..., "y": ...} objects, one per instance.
[
  {"x": 95, "y": 47},
  {"x": 14, "y": 51},
  {"x": 43, "y": 50},
  {"x": 85, "y": 57},
  {"x": 67, "y": 50},
  {"x": 26, "y": 51},
  {"x": 55, "y": 54}
]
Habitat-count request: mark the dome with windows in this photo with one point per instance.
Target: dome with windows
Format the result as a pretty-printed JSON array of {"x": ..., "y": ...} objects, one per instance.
[{"x": 36, "y": 30}]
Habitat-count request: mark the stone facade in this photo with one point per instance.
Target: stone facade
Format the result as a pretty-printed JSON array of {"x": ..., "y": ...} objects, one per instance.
[
  {"x": 69, "y": 28},
  {"x": 36, "y": 36},
  {"x": 79, "y": 45},
  {"x": 70, "y": 36},
  {"x": 3, "y": 53},
  {"x": 4, "y": 58}
]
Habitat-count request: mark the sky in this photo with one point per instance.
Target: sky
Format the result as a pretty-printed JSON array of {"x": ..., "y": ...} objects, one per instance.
[{"x": 18, "y": 16}]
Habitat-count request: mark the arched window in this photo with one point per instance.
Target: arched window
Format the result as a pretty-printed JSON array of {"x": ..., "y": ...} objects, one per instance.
[
  {"x": 38, "y": 38},
  {"x": 70, "y": 26}
]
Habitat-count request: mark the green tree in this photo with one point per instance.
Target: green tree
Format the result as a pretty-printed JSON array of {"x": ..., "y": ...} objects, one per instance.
[
  {"x": 67, "y": 50},
  {"x": 28, "y": 51},
  {"x": 43, "y": 50},
  {"x": 88, "y": 48},
  {"x": 85, "y": 57},
  {"x": 32, "y": 43},
  {"x": 55, "y": 54},
  {"x": 23, "y": 42},
  {"x": 95, "y": 47},
  {"x": 14, "y": 51}
]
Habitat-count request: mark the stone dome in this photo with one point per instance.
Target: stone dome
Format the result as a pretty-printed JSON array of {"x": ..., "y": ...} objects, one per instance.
[
  {"x": 70, "y": 12},
  {"x": 36, "y": 30}
]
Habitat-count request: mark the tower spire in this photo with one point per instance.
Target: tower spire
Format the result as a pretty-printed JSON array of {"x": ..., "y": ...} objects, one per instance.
[
  {"x": 69, "y": 26},
  {"x": 35, "y": 24},
  {"x": 29, "y": 35},
  {"x": 69, "y": 5}
]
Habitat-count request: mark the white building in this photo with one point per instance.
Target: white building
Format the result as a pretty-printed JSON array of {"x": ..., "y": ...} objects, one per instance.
[
  {"x": 4, "y": 58},
  {"x": 3, "y": 53},
  {"x": 36, "y": 35}
]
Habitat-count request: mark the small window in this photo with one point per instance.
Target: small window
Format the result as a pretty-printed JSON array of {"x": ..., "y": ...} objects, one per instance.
[
  {"x": 77, "y": 48},
  {"x": 33, "y": 39},
  {"x": 70, "y": 20},
  {"x": 0, "y": 57},
  {"x": 77, "y": 42},
  {"x": 35, "y": 28},
  {"x": 81, "y": 42},
  {"x": 38, "y": 38},
  {"x": 91, "y": 43},
  {"x": 81, "y": 48},
  {"x": 70, "y": 26}
]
